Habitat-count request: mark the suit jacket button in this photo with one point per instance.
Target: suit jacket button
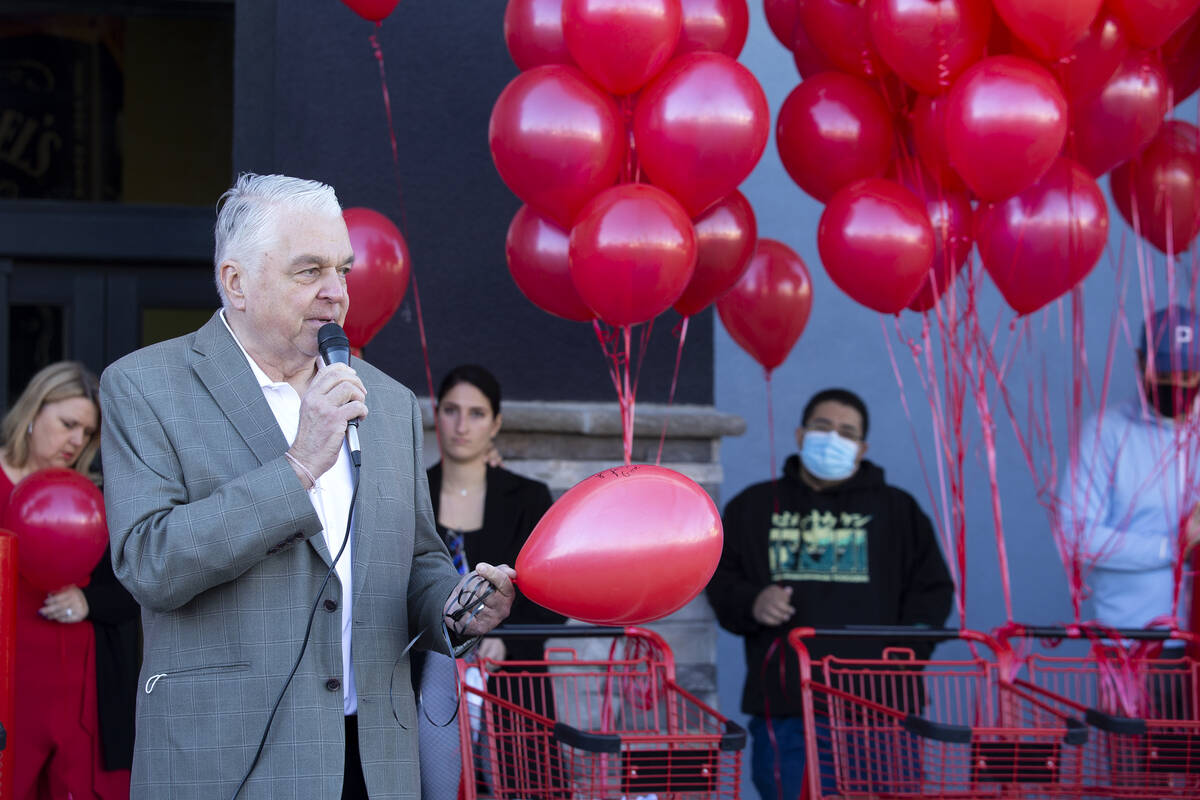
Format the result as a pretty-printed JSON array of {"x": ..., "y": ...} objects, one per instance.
[
  {"x": 333, "y": 684},
  {"x": 331, "y": 605}
]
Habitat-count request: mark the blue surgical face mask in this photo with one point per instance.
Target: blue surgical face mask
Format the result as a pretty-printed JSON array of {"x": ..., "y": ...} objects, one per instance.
[{"x": 828, "y": 456}]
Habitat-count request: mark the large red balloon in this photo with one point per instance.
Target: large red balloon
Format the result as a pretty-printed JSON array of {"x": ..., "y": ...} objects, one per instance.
[
  {"x": 536, "y": 250},
  {"x": 632, "y": 253},
  {"x": 379, "y": 279},
  {"x": 928, "y": 125},
  {"x": 1006, "y": 120},
  {"x": 718, "y": 26},
  {"x": 1150, "y": 23},
  {"x": 1051, "y": 28},
  {"x": 557, "y": 140},
  {"x": 1163, "y": 183},
  {"x": 372, "y": 10},
  {"x": 839, "y": 29},
  {"x": 766, "y": 310},
  {"x": 725, "y": 239},
  {"x": 782, "y": 17},
  {"x": 700, "y": 128},
  {"x": 533, "y": 32},
  {"x": 930, "y": 42},
  {"x": 58, "y": 518},
  {"x": 951, "y": 217},
  {"x": 621, "y": 45},
  {"x": 876, "y": 243},
  {"x": 1115, "y": 125},
  {"x": 834, "y": 129},
  {"x": 1083, "y": 72},
  {"x": 637, "y": 543},
  {"x": 1039, "y": 244}
]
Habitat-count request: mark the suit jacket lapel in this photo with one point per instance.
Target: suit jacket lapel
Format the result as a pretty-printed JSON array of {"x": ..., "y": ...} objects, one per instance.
[
  {"x": 224, "y": 371},
  {"x": 369, "y": 494}
]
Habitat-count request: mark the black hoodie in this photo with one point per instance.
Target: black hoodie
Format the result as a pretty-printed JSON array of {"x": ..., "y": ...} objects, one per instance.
[{"x": 857, "y": 553}]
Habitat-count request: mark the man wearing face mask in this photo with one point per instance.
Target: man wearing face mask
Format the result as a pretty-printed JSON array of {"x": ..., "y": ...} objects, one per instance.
[
  {"x": 1130, "y": 498},
  {"x": 829, "y": 544}
]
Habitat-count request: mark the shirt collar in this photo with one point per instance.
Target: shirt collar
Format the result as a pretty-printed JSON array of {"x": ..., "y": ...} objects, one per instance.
[{"x": 263, "y": 380}]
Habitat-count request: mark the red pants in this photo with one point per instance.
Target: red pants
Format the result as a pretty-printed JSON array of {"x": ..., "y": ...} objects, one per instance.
[{"x": 55, "y": 741}]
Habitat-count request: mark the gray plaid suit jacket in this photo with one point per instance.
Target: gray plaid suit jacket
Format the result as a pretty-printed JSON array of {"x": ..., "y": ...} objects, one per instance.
[{"x": 215, "y": 537}]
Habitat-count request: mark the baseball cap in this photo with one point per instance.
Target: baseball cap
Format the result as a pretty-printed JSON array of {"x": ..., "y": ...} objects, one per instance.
[{"x": 1175, "y": 346}]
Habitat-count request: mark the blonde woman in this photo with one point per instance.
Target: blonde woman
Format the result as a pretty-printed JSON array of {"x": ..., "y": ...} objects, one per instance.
[{"x": 76, "y": 682}]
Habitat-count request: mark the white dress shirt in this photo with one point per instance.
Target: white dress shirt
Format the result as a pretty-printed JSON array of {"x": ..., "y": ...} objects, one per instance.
[{"x": 330, "y": 497}]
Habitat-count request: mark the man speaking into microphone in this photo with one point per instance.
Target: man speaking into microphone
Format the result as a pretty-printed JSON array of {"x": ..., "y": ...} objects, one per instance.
[{"x": 280, "y": 583}]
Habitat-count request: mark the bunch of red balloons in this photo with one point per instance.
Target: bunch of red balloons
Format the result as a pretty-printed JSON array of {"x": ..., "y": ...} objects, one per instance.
[
  {"x": 911, "y": 111},
  {"x": 626, "y": 136}
]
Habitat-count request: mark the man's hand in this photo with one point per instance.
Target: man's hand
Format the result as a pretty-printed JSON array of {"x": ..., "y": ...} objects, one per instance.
[
  {"x": 773, "y": 606},
  {"x": 335, "y": 396},
  {"x": 1192, "y": 531},
  {"x": 492, "y": 649},
  {"x": 481, "y": 600}
]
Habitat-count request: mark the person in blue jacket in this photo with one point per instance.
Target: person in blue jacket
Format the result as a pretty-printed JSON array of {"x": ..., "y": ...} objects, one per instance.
[{"x": 1128, "y": 502}]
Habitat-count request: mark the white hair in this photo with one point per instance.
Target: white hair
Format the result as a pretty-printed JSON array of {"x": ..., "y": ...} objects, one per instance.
[{"x": 246, "y": 214}]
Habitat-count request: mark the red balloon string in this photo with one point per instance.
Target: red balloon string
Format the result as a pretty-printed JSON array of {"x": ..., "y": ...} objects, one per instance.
[
  {"x": 771, "y": 441},
  {"x": 387, "y": 107},
  {"x": 680, "y": 333},
  {"x": 618, "y": 361}
]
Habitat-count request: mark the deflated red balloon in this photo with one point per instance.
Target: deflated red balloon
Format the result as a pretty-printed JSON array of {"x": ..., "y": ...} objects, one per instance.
[
  {"x": 556, "y": 140},
  {"x": 700, "y": 128},
  {"x": 621, "y": 45},
  {"x": 808, "y": 59},
  {"x": 637, "y": 543},
  {"x": 928, "y": 125},
  {"x": 536, "y": 250},
  {"x": 1115, "y": 125},
  {"x": 876, "y": 243},
  {"x": 372, "y": 10},
  {"x": 766, "y": 310},
  {"x": 1039, "y": 244},
  {"x": 632, "y": 253},
  {"x": 1163, "y": 184},
  {"x": 782, "y": 16},
  {"x": 58, "y": 518},
  {"x": 930, "y": 42},
  {"x": 1051, "y": 29},
  {"x": 839, "y": 29},
  {"x": 725, "y": 239},
  {"x": 1006, "y": 120},
  {"x": 717, "y": 26},
  {"x": 834, "y": 129},
  {"x": 534, "y": 34},
  {"x": 1150, "y": 23},
  {"x": 1083, "y": 72},
  {"x": 377, "y": 283},
  {"x": 951, "y": 217}
]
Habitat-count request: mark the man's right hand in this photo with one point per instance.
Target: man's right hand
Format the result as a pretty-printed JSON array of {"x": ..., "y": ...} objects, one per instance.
[
  {"x": 333, "y": 398},
  {"x": 773, "y": 606}
]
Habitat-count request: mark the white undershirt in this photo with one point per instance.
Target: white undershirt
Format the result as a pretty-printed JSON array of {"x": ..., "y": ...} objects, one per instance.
[{"x": 330, "y": 497}]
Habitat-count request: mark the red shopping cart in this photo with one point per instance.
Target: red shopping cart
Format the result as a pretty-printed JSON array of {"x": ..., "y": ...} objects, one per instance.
[
  {"x": 899, "y": 726},
  {"x": 595, "y": 728},
  {"x": 1141, "y": 705}
]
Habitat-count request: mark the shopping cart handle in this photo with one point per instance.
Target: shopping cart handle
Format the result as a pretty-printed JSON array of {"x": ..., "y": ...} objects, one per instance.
[
  {"x": 893, "y": 632},
  {"x": 1122, "y": 726},
  {"x": 556, "y": 631},
  {"x": 734, "y": 737},
  {"x": 586, "y": 741},
  {"x": 937, "y": 731},
  {"x": 1080, "y": 632}
]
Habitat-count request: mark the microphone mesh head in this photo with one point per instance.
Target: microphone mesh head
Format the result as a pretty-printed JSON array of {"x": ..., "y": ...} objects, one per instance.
[{"x": 332, "y": 335}]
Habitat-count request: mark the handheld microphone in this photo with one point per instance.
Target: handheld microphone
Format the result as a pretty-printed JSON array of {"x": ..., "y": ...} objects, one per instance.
[{"x": 335, "y": 349}]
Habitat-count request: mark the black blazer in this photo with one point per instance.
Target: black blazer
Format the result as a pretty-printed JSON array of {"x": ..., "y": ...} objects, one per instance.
[
  {"x": 512, "y": 507},
  {"x": 114, "y": 615}
]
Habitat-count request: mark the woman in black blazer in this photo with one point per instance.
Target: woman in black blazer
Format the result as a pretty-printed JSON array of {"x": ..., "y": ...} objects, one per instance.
[{"x": 483, "y": 513}]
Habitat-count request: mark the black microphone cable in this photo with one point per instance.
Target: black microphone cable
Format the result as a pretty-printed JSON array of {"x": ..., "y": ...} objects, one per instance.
[{"x": 304, "y": 644}]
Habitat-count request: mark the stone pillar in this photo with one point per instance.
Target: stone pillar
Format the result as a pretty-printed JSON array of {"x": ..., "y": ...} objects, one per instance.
[{"x": 560, "y": 444}]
